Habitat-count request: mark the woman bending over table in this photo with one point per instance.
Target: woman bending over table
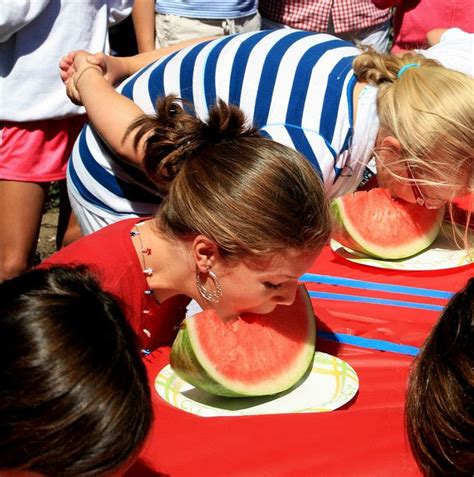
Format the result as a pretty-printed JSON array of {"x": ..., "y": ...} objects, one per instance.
[
  {"x": 242, "y": 218},
  {"x": 322, "y": 96}
]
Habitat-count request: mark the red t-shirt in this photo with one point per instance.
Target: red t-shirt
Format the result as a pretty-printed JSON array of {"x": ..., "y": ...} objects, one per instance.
[
  {"x": 413, "y": 19},
  {"x": 110, "y": 254}
]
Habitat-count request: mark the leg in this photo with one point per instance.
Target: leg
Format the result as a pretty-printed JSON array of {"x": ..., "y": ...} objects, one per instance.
[
  {"x": 21, "y": 209},
  {"x": 68, "y": 228}
]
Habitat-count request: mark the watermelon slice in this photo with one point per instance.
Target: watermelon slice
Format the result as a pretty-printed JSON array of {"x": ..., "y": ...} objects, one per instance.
[
  {"x": 251, "y": 355},
  {"x": 376, "y": 224}
]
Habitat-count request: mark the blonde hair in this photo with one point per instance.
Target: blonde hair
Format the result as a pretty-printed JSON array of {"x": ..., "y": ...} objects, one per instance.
[
  {"x": 252, "y": 196},
  {"x": 429, "y": 109}
]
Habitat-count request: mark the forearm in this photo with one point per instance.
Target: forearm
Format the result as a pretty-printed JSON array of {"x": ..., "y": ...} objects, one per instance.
[
  {"x": 381, "y": 4},
  {"x": 143, "y": 15},
  {"x": 110, "y": 113},
  {"x": 131, "y": 64}
]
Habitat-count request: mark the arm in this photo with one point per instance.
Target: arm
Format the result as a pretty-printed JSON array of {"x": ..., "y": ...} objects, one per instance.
[
  {"x": 131, "y": 64},
  {"x": 434, "y": 36},
  {"x": 143, "y": 16},
  {"x": 14, "y": 15},
  {"x": 381, "y": 4},
  {"x": 117, "y": 68},
  {"x": 108, "y": 111}
]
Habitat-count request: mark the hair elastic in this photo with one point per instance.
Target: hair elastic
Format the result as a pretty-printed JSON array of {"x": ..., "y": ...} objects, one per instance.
[{"x": 407, "y": 67}]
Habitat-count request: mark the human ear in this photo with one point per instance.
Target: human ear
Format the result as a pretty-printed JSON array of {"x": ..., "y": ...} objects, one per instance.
[
  {"x": 204, "y": 253},
  {"x": 388, "y": 151}
]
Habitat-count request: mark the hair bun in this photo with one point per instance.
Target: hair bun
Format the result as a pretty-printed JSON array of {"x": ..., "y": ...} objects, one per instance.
[
  {"x": 175, "y": 134},
  {"x": 226, "y": 122}
]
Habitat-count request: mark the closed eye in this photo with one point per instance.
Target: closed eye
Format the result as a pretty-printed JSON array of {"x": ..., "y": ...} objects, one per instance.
[{"x": 272, "y": 286}]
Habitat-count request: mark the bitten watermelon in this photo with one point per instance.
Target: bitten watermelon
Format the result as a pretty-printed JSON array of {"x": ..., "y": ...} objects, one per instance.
[
  {"x": 375, "y": 223},
  {"x": 251, "y": 355}
]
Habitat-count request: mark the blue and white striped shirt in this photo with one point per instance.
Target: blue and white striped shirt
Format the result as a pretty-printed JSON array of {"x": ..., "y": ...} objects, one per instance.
[{"x": 296, "y": 86}]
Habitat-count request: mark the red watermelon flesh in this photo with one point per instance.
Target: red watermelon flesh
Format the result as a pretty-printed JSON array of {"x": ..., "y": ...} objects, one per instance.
[
  {"x": 377, "y": 224},
  {"x": 251, "y": 355}
]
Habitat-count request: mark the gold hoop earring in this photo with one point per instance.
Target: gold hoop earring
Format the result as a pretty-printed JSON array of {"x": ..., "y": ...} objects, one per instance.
[{"x": 212, "y": 296}]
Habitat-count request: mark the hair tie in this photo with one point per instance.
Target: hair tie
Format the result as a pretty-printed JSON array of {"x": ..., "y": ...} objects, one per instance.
[{"x": 407, "y": 67}]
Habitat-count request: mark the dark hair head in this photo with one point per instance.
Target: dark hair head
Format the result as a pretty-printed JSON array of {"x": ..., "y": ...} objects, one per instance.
[
  {"x": 74, "y": 398},
  {"x": 248, "y": 194},
  {"x": 440, "y": 396}
]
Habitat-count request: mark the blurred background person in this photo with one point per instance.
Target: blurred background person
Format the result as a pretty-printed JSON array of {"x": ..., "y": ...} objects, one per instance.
[
  {"x": 168, "y": 22},
  {"x": 352, "y": 20}
]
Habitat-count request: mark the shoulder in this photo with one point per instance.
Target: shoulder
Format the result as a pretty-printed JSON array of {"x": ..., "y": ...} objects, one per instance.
[
  {"x": 108, "y": 253},
  {"x": 104, "y": 248},
  {"x": 454, "y": 50}
]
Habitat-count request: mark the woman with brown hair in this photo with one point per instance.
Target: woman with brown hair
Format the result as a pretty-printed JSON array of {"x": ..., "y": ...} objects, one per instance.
[
  {"x": 440, "y": 396},
  {"x": 242, "y": 218},
  {"x": 74, "y": 395}
]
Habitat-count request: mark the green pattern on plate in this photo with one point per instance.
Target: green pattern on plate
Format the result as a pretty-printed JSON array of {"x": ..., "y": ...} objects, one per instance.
[{"x": 330, "y": 384}]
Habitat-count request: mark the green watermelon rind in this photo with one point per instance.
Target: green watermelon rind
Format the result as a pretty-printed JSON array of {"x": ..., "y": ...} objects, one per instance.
[
  {"x": 194, "y": 367},
  {"x": 186, "y": 365},
  {"x": 358, "y": 243}
]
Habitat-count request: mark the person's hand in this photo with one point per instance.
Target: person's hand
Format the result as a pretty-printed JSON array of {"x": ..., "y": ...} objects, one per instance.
[
  {"x": 113, "y": 67},
  {"x": 67, "y": 68},
  {"x": 75, "y": 66}
]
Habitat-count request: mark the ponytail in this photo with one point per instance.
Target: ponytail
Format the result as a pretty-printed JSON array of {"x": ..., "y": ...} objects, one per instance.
[
  {"x": 176, "y": 135},
  {"x": 378, "y": 68}
]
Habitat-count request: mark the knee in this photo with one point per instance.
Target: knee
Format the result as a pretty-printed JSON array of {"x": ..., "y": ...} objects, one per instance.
[{"x": 12, "y": 266}]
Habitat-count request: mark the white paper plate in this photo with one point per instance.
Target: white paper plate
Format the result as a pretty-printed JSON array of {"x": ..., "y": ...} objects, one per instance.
[
  {"x": 440, "y": 255},
  {"x": 330, "y": 384}
]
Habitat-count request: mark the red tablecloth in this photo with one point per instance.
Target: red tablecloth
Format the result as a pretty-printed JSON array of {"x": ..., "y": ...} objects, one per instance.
[{"x": 363, "y": 438}]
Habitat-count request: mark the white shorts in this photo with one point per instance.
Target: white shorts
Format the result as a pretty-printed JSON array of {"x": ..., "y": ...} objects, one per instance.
[{"x": 172, "y": 29}]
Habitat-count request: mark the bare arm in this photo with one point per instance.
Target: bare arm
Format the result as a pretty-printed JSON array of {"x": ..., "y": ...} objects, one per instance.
[
  {"x": 117, "y": 68},
  {"x": 434, "y": 36},
  {"x": 109, "y": 112},
  {"x": 134, "y": 63},
  {"x": 143, "y": 16}
]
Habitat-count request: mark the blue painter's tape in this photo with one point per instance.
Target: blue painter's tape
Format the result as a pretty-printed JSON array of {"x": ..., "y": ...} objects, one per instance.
[
  {"x": 369, "y": 343},
  {"x": 365, "y": 285},
  {"x": 372, "y": 300}
]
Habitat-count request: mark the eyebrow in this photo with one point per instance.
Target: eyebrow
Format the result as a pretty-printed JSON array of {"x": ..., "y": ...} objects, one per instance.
[{"x": 291, "y": 277}]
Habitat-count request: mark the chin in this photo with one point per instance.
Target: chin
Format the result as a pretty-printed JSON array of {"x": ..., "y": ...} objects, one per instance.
[{"x": 263, "y": 309}]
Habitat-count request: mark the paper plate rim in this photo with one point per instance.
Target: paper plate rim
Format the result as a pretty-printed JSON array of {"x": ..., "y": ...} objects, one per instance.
[
  {"x": 410, "y": 264},
  {"x": 166, "y": 379}
]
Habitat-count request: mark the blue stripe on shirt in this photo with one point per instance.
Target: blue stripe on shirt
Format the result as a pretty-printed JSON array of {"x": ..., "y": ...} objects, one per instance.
[
  {"x": 210, "y": 71},
  {"x": 303, "y": 74},
  {"x": 112, "y": 183},
  {"x": 127, "y": 90},
  {"x": 186, "y": 73},
  {"x": 269, "y": 74},
  {"x": 334, "y": 88},
  {"x": 239, "y": 65},
  {"x": 302, "y": 145},
  {"x": 156, "y": 85}
]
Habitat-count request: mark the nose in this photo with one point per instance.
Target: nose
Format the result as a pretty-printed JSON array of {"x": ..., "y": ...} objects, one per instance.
[{"x": 287, "y": 295}]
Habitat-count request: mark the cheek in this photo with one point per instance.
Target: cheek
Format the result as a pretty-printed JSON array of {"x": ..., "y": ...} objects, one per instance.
[{"x": 397, "y": 188}]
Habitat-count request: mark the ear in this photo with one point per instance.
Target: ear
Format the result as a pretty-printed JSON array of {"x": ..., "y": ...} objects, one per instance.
[
  {"x": 204, "y": 253},
  {"x": 389, "y": 149},
  {"x": 390, "y": 146}
]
